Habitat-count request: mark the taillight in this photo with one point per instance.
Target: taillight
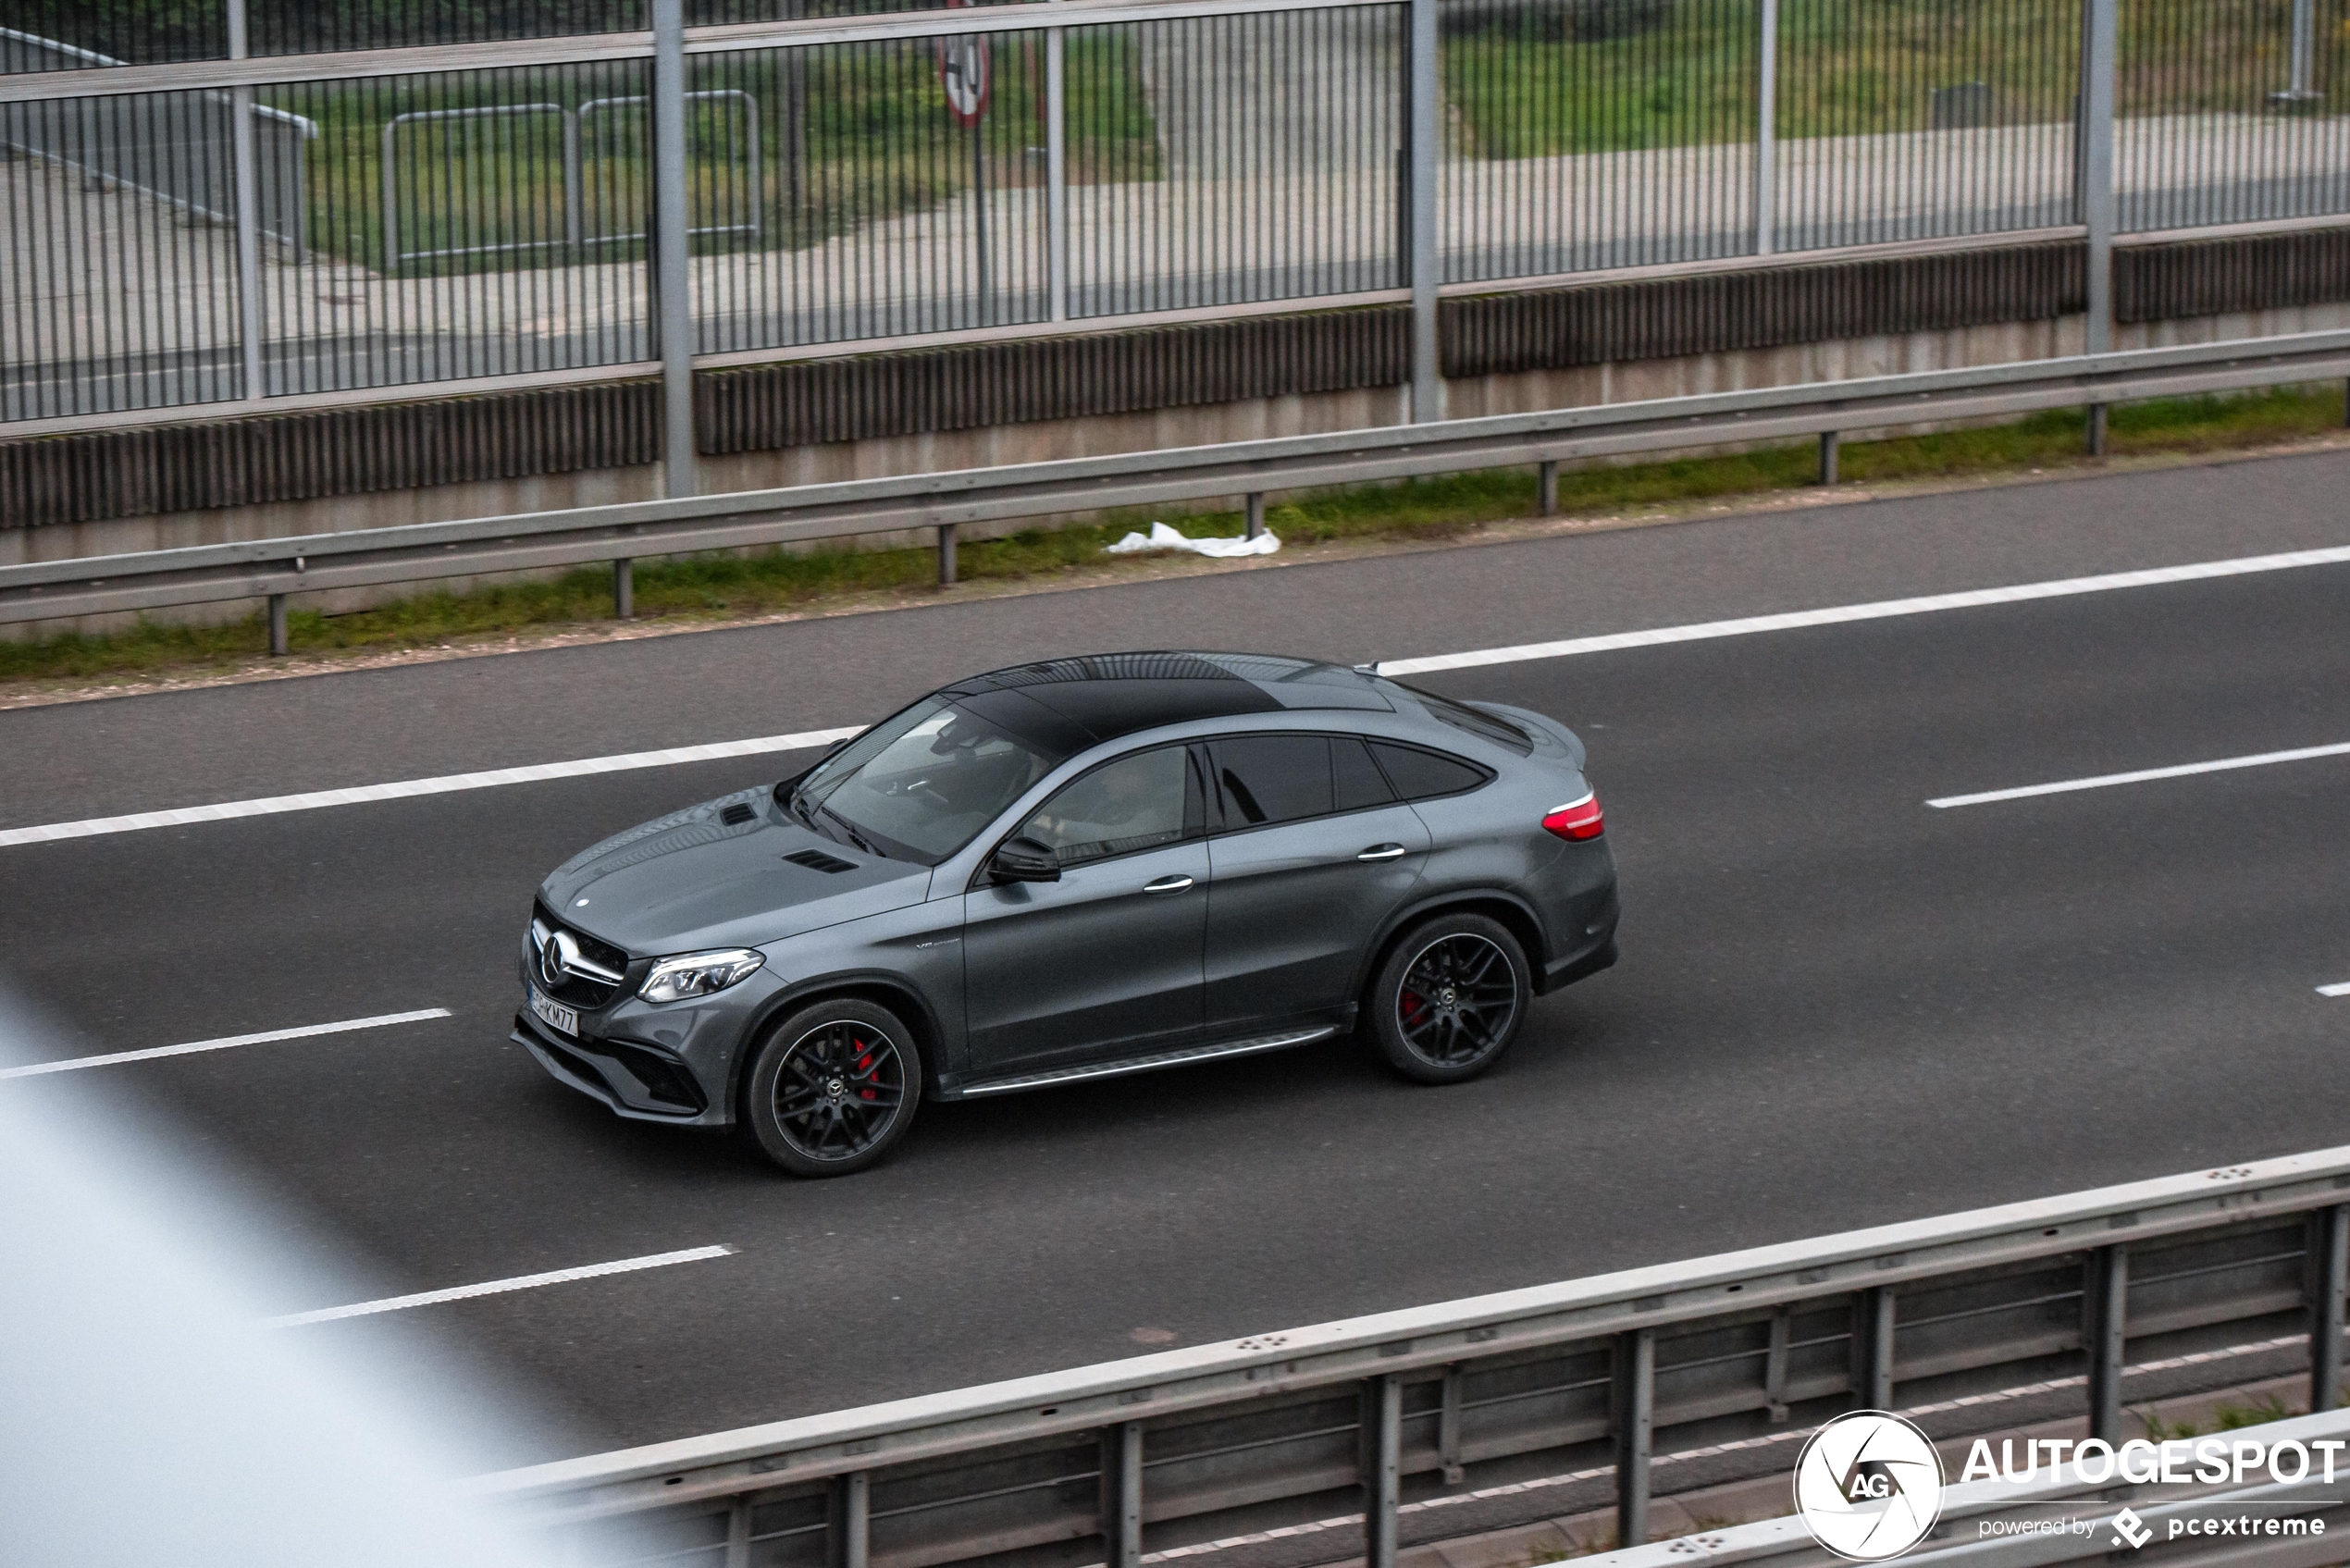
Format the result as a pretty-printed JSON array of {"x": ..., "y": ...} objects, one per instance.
[{"x": 1578, "y": 820}]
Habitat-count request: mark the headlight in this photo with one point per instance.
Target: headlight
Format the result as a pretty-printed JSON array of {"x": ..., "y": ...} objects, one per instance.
[{"x": 699, "y": 974}]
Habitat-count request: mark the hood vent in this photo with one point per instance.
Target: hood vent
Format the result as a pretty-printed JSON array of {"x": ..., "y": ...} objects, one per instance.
[
  {"x": 734, "y": 815},
  {"x": 816, "y": 860}
]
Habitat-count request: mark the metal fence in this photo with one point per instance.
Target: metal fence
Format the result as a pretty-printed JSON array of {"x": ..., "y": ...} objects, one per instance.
[
  {"x": 473, "y": 191},
  {"x": 1359, "y": 1431}
]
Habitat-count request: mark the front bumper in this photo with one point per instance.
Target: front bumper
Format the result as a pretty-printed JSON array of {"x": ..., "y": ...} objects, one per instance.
[{"x": 630, "y": 1078}]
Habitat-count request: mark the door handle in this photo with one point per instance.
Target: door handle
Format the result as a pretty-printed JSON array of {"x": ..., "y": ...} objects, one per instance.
[
  {"x": 1167, "y": 884},
  {"x": 1382, "y": 852}
]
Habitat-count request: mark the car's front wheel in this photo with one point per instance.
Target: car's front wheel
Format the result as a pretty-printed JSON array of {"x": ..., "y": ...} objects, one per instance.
[
  {"x": 1450, "y": 998},
  {"x": 833, "y": 1088}
]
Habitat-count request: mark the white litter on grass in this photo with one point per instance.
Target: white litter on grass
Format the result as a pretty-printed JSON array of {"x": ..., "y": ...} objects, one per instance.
[{"x": 1163, "y": 538}]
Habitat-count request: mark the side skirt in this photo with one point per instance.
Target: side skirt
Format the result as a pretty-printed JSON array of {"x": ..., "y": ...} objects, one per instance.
[{"x": 1183, "y": 1057}]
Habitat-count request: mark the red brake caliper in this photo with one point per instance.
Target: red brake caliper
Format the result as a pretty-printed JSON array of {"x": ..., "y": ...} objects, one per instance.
[{"x": 864, "y": 1063}]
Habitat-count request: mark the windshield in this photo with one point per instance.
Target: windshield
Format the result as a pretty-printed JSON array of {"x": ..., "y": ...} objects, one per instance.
[{"x": 920, "y": 786}]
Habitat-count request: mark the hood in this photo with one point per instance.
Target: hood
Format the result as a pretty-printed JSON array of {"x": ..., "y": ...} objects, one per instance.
[{"x": 692, "y": 879}]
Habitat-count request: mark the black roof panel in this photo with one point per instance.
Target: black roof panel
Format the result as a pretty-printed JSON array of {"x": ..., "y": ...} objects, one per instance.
[{"x": 1108, "y": 694}]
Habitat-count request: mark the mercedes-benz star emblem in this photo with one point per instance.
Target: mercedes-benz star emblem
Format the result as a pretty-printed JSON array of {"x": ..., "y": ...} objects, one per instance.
[{"x": 553, "y": 962}]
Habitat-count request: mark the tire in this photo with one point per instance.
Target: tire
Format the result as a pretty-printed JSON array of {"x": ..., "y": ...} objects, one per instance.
[
  {"x": 833, "y": 1088},
  {"x": 1449, "y": 1000}
]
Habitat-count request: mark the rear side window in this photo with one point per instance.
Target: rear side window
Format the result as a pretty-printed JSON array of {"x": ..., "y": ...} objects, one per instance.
[
  {"x": 1265, "y": 778},
  {"x": 1354, "y": 777},
  {"x": 1423, "y": 775}
]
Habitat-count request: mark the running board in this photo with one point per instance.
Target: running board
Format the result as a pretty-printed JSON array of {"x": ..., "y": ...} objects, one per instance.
[{"x": 1151, "y": 1064}]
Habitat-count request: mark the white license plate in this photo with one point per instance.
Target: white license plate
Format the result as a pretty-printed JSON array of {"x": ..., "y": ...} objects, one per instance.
[{"x": 554, "y": 1015}]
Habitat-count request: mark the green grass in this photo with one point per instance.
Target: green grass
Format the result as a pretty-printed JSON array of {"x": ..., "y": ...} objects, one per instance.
[{"x": 728, "y": 586}]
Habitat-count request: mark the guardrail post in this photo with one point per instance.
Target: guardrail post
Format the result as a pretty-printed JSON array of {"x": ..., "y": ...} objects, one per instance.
[
  {"x": 1774, "y": 1364},
  {"x": 1382, "y": 1467},
  {"x": 1122, "y": 1495},
  {"x": 1632, "y": 1392},
  {"x": 2104, "y": 1325},
  {"x": 623, "y": 590},
  {"x": 1872, "y": 1347},
  {"x": 277, "y": 625},
  {"x": 1546, "y": 486},
  {"x": 739, "y": 1534},
  {"x": 946, "y": 555},
  {"x": 849, "y": 1532},
  {"x": 1256, "y": 513},
  {"x": 1448, "y": 1427},
  {"x": 672, "y": 260},
  {"x": 245, "y": 180},
  {"x": 1424, "y": 138},
  {"x": 1828, "y": 457},
  {"x": 2329, "y": 1278}
]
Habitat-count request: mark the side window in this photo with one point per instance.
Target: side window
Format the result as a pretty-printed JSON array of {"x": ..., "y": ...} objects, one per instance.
[
  {"x": 1138, "y": 802},
  {"x": 1422, "y": 775},
  {"x": 1356, "y": 777},
  {"x": 1265, "y": 778}
]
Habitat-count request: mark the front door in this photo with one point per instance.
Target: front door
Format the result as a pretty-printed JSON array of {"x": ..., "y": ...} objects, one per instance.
[{"x": 1105, "y": 963}]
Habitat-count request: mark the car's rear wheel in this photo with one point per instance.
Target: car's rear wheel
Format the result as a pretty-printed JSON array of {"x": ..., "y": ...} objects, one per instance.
[
  {"x": 1450, "y": 998},
  {"x": 833, "y": 1088}
]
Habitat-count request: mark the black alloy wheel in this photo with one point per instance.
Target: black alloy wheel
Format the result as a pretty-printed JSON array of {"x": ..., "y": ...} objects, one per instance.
[
  {"x": 833, "y": 1088},
  {"x": 1450, "y": 998}
]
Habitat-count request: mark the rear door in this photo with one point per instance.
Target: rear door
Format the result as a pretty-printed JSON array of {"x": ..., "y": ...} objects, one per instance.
[
  {"x": 1310, "y": 852},
  {"x": 1105, "y": 963}
]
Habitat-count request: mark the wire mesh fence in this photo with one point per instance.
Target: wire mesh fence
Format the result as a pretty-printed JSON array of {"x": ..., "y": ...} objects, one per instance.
[{"x": 459, "y": 225}]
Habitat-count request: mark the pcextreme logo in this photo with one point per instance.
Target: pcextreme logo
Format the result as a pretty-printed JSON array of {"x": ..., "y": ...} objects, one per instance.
[{"x": 1869, "y": 1486}]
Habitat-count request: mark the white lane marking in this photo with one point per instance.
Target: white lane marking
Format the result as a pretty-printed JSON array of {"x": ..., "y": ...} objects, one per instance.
[
  {"x": 538, "y": 773},
  {"x": 2143, "y": 775},
  {"x": 497, "y": 1286},
  {"x": 1879, "y": 611},
  {"x": 2342, "y": 990},
  {"x": 73, "y": 1063}
]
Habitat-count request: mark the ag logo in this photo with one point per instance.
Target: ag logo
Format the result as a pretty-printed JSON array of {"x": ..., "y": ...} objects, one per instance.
[{"x": 1869, "y": 1485}]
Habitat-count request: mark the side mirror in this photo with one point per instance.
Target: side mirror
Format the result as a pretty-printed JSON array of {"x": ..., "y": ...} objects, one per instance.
[{"x": 1023, "y": 859}]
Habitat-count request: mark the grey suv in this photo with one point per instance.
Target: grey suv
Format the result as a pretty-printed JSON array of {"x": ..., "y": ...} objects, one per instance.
[{"x": 1075, "y": 870}]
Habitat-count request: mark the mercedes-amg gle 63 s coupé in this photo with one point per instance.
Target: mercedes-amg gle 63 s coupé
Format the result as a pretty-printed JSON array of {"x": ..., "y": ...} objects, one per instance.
[{"x": 1075, "y": 870}]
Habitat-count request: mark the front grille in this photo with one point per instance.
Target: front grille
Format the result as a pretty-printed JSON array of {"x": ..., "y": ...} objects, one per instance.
[{"x": 576, "y": 990}]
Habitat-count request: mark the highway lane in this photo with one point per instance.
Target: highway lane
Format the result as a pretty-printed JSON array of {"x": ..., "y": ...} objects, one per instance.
[{"x": 1837, "y": 1005}]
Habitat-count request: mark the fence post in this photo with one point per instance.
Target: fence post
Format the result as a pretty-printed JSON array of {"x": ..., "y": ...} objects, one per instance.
[
  {"x": 277, "y": 625},
  {"x": 1448, "y": 1427},
  {"x": 1423, "y": 135},
  {"x": 946, "y": 555},
  {"x": 2105, "y": 1324},
  {"x": 2093, "y": 182},
  {"x": 1766, "y": 133},
  {"x": 1256, "y": 513},
  {"x": 1546, "y": 488},
  {"x": 1382, "y": 1462},
  {"x": 2330, "y": 1275},
  {"x": 623, "y": 589},
  {"x": 1828, "y": 457},
  {"x": 245, "y": 180},
  {"x": 672, "y": 253},
  {"x": 1056, "y": 173}
]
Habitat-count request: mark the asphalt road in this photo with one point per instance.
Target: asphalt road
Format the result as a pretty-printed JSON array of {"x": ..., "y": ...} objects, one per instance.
[{"x": 1836, "y": 1007}]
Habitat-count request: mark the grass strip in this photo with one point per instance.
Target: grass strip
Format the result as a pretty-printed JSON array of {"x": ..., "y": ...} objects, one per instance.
[{"x": 728, "y": 588}]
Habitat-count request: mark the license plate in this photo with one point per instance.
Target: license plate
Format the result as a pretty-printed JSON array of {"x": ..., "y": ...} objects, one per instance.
[{"x": 554, "y": 1015}]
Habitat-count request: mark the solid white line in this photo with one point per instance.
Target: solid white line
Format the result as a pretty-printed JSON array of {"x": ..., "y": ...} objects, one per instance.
[
  {"x": 496, "y": 1286},
  {"x": 2143, "y": 775},
  {"x": 72, "y": 1063},
  {"x": 536, "y": 774},
  {"x": 1880, "y": 610},
  {"x": 2342, "y": 990}
]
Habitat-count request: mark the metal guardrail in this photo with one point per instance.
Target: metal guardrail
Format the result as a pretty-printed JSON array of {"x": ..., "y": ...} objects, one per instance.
[
  {"x": 1402, "y": 1410},
  {"x": 415, "y": 553},
  {"x": 1959, "y": 1539}
]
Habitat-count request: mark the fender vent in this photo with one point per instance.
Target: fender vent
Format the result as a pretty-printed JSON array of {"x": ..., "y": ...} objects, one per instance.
[
  {"x": 816, "y": 860},
  {"x": 734, "y": 815}
]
